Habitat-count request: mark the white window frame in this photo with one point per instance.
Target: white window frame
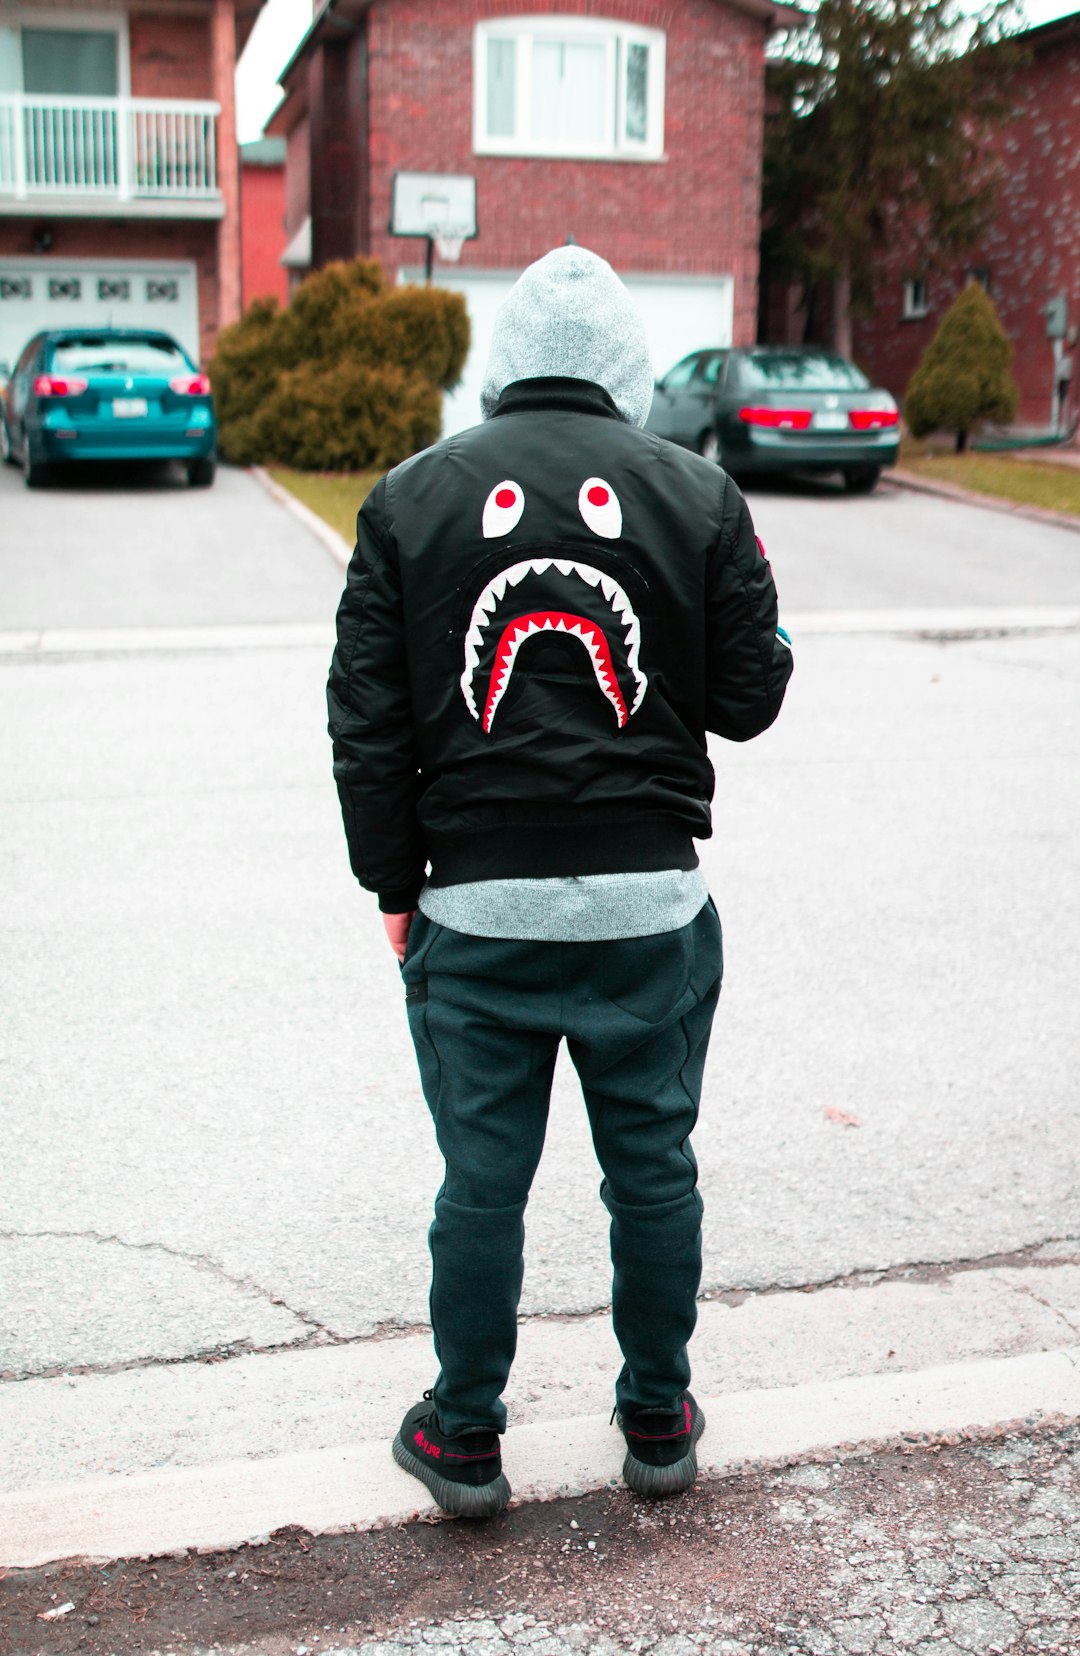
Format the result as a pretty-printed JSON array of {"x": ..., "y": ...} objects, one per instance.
[
  {"x": 916, "y": 303},
  {"x": 615, "y": 37},
  {"x": 90, "y": 22}
]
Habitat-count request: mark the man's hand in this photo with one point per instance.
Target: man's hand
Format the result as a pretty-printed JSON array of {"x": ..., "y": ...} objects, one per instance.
[{"x": 397, "y": 930}]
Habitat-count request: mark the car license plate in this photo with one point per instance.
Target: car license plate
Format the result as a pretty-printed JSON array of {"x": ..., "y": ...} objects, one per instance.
[
  {"x": 128, "y": 408},
  {"x": 830, "y": 420}
]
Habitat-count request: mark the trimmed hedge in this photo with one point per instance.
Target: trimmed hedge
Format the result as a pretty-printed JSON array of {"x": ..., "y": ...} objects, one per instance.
[{"x": 348, "y": 376}]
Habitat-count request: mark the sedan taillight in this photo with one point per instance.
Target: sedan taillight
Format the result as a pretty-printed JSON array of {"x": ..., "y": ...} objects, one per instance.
[
  {"x": 873, "y": 419},
  {"x": 190, "y": 385},
  {"x": 56, "y": 385},
  {"x": 782, "y": 419}
]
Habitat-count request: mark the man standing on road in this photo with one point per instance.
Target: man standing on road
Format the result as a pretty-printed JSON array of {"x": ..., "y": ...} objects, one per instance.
[{"x": 543, "y": 617}]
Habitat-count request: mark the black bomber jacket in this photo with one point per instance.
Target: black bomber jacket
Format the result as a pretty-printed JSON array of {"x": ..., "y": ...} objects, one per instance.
[{"x": 543, "y": 617}]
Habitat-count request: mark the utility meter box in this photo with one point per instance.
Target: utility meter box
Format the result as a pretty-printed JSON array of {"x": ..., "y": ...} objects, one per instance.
[{"x": 1056, "y": 316}]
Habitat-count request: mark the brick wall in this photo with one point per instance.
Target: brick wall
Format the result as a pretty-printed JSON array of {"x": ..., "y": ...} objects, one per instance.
[
  {"x": 1032, "y": 250},
  {"x": 694, "y": 212},
  {"x": 170, "y": 56},
  {"x": 262, "y": 220}
]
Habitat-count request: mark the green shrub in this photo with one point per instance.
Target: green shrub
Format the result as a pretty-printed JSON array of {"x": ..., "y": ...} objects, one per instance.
[
  {"x": 348, "y": 376},
  {"x": 965, "y": 376}
]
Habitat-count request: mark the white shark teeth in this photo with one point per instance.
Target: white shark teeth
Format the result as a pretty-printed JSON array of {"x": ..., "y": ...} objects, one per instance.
[{"x": 488, "y": 602}]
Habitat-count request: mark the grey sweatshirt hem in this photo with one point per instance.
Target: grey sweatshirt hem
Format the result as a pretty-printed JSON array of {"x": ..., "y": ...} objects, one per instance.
[{"x": 594, "y": 908}]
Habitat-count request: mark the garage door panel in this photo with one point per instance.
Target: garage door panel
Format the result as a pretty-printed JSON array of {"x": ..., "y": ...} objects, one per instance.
[
  {"x": 681, "y": 314},
  {"x": 81, "y": 293}
]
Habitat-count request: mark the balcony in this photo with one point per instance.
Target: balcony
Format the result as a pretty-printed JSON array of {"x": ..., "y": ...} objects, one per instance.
[{"x": 108, "y": 157}]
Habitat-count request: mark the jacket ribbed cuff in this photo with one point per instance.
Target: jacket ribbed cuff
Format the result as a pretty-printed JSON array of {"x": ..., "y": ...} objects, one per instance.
[{"x": 402, "y": 901}]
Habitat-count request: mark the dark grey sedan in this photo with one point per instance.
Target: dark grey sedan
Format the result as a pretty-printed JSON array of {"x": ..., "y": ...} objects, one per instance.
[{"x": 779, "y": 408}]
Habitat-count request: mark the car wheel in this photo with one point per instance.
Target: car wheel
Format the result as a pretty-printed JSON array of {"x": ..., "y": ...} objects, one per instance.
[
  {"x": 709, "y": 447},
  {"x": 201, "y": 473},
  {"x": 7, "y": 456},
  {"x": 861, "y": 479},
  {"x": 35, "y": 472}
]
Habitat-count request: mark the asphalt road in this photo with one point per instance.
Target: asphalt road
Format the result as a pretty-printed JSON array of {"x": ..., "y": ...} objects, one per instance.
[{"x": 213, "y": 1132}]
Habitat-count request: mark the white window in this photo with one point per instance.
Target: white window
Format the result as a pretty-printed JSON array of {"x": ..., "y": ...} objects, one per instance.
[
  {"x": 573, "y": 86},
  {"x": 916, "y": 298},
  {"x": 65, "y": 54}
]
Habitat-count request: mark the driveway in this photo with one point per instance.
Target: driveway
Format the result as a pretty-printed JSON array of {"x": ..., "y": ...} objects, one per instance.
[{"x": 123, "y": 547}]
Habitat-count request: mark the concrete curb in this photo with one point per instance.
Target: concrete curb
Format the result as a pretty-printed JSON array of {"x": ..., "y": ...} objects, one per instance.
[
  {"x": 338, "y": 548},
  {"x": 256, "y": 635},
  {"x": 968, "y": 618},
  {"x": 358, "y": 1487},
  {"x": 968, "y": 497}
]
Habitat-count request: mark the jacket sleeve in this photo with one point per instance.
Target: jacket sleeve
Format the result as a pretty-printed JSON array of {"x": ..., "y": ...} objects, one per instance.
[
  {"x": 371, "y": 720},
  {"x": 748, "y": 655}
]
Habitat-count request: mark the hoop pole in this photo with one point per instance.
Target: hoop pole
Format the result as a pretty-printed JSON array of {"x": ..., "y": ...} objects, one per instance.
[{"x": 430, "y": 261}]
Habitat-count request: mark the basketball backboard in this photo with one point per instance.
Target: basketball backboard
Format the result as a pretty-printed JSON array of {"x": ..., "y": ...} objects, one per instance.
[{"x": 441, "y": 206}]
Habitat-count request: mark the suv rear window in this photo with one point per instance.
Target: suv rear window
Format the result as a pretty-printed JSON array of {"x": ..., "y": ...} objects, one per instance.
[
  {"x": 118, "y": 356},
  {"x": 800, "y": 371}
]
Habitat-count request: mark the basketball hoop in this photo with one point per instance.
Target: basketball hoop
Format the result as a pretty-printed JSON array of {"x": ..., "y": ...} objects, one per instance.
[{"x": 441, "y": 207}]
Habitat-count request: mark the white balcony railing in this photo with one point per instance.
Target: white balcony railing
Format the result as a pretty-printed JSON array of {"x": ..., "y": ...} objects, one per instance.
[{"x": 118, "y": 148}]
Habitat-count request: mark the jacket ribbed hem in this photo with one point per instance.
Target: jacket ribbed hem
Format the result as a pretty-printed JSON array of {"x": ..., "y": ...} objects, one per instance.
[
  {"x": 514, "y": 851},
  {"x": 402, "y": 901}
]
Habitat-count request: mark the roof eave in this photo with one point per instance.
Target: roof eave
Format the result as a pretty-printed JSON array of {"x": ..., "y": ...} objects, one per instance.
[
  {"x": 773, "y": 13},
  {"x": 333, "y": 17}
]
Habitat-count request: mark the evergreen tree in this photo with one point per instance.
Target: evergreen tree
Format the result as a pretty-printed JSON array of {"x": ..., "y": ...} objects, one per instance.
[
  {"x": 965, "y": 376},
  {"x": 882, "y": 110}
]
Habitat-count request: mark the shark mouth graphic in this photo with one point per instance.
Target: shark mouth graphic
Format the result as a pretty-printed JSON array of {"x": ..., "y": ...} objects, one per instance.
[{"x": 620, "y": 622}]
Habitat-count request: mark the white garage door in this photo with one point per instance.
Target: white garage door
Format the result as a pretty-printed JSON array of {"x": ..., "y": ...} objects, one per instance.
[
  {"x": 77, "y": 293},
  {"x": 681, "y": 314}
]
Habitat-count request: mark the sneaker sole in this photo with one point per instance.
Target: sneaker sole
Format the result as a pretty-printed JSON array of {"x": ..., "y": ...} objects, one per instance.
[
  {"x": 654, "y": 1482},
  {"x": 463, "y": 1500}
]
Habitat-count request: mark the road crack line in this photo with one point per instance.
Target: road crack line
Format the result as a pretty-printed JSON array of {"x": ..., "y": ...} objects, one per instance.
[{"x": 319, "y": 1333}]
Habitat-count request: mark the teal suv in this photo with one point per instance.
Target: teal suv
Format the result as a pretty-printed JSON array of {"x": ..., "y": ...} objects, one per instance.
[{"x": 107, "y": 394}]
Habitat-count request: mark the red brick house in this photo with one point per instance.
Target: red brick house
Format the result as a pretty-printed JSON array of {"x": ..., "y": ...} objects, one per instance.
[
  {"x": 262, "y": 221},
  {"x": 1029, "y": 259},
  {"x": 118, "y": 167},
  {"x": 632, "y": 126}
]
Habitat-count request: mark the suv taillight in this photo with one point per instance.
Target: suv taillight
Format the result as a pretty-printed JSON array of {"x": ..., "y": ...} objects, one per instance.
[
  {"x": 872, "y": 419},
  {"x": 190, "y": 385},
  {"x": 783, "y": 419},
  {"x": 57, "y": 385}
]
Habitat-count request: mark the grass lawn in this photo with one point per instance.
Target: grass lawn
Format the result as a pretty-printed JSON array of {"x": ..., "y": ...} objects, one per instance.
[
  {"x": 335, "y": 496},
  {"x": 1029, "y": 482}
]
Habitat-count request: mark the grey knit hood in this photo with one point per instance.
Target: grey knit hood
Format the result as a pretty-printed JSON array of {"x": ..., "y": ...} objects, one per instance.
[{"x": 568, "y": 315}]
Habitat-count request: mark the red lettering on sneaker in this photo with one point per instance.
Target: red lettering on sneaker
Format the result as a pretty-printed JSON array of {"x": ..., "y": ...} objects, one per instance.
[{"x": 431, "y": 1449}]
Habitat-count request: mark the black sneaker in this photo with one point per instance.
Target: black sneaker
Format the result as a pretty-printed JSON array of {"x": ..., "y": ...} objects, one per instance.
[
  {"x": 464, "y": 1473},
  {"x": 660, "y": 1458}
]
